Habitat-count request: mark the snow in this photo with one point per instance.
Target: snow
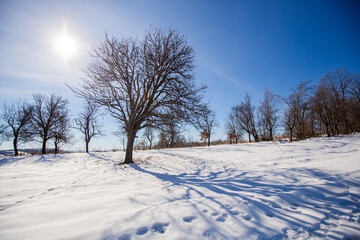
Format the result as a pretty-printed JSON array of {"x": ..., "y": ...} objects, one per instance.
[{"x": 270, "y": 190}]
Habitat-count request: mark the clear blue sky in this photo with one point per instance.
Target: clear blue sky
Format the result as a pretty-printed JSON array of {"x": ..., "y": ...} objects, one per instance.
[{"x": 241, "y": 46}]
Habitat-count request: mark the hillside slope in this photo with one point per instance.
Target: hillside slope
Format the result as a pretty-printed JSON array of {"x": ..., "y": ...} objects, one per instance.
[{"x": 274, "y": 190}]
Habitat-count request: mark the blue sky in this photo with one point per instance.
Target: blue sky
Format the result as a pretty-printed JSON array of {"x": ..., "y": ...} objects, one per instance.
[{"x": 241, "y": 46}]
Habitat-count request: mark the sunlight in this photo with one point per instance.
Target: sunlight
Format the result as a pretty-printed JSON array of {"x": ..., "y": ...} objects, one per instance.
[{"x": 65, "y": 46}]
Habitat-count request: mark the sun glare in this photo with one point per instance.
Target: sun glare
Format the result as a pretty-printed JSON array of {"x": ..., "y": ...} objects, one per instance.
[{"x": 65, "y": 46}]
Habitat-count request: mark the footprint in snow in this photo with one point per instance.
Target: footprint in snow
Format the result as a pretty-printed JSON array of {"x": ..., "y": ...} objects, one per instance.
[
  {"x": 247, "y": 217},
  {"x": 51, "y": 189},
  {"x": 159, "y": 227},
  {"x": 228, "y": 206},
  {"x": 234, "y": 212},
  {"x": 214, "y": 214},
  {"x": 211, "y": 234},
  {"x": 142, "y": 231},
  {"x": 189, "y": 219},
  {"x": 294, "y": 204},
  {"x": 125, "y": 237},
  {"x": 222, "y": 218},
  {"x": 269, "y": 214},
  {"x": 275, "y": 205},
  {"x": 205, "y": 211}
]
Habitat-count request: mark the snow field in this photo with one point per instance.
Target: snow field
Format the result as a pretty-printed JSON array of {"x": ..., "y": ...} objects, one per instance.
[{"x": 269, "y": 190}]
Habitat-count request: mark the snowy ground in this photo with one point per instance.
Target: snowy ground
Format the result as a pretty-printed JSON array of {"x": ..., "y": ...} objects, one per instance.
[{"x": 275, "y": 190}]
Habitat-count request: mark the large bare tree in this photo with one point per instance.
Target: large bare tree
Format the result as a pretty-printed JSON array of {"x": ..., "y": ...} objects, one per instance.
[
  {"x": 48, "y": 113},
  {"x": 140, "y": 80},
  {"x": 87, "y": 123},
  {"x": 17, "y": 117}
]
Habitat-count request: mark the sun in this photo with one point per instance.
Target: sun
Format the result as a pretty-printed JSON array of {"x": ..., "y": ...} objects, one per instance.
[{"x": 65, "y": 46}]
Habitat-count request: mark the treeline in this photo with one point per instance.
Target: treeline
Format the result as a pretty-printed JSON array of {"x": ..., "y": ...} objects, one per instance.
[
  {"x": 46, "y": 119},
  {"x": 330, "y": 107}
]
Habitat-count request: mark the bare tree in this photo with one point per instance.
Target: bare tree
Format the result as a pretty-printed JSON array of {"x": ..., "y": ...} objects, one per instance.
[
  {"x": 323, "y": 108},
  {"x": 339, "y": 82},
  {"x": 299, "y": 106},
  {"x": 206, "y": 122},
  {"x": 245, "y": 117},
  {"x": 48, "y": 113},
  {"x": 290, "y": 120},
  {"x": 233, "y": 130},
  {"x": 61, "y": 131},
  {"x": 2, "y": 133},
  {"x": 139, "y": 81},
  {"x": 121, "y": 133},
  {"x": 354, "y": 102},
  {"x": 149, "y": 134},
  {"x": 17, "y": 118},
  {"x": 87, "y": 123},
  {"x": 171, "y": 128},
  {"x": 355, "y": 86},
  {"x": 269, "y": 113}
]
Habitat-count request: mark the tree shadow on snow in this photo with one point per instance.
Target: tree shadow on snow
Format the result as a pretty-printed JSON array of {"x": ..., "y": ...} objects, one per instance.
[{"x": 281, "y": 201}]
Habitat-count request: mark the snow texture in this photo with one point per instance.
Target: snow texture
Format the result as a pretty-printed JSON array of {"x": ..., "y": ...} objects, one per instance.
[{"x": 269, "y": 190}]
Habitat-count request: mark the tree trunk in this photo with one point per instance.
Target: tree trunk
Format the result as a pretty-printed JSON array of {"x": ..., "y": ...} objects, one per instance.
[
  {"x": 56, "y": 147},
  {"x": 43, "y": 150},
  {"x": 249, "y": 137},
  {"x": 129, "y": 147},
  {"x": 291, "y": 135},
  {"x": 208, "y": 141},
  {"x": 327, "y": 130},
  {"x": 87, "y": 146},
  {"x": 15, "y": 147},
  {"x": 256, "y": 137}
]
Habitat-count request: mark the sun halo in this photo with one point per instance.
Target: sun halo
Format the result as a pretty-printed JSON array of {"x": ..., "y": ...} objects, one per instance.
[{"x": 65, "y": 46}]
